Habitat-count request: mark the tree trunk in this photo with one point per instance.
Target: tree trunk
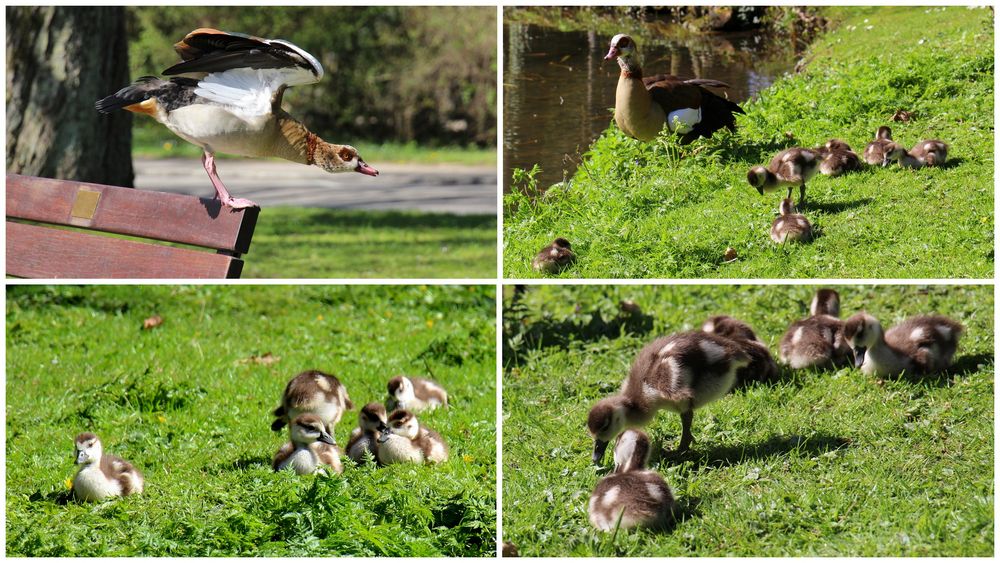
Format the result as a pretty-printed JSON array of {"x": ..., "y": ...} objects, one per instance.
[{"x": 60, "y": 60}]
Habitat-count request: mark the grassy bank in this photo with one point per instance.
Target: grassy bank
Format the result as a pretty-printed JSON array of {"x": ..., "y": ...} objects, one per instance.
[
  {"x": 294, "y": 242},
  {"x": 189, "y": 403},
  {"x": 646, "y": 210},
  {"x": 821, "y": 463}
]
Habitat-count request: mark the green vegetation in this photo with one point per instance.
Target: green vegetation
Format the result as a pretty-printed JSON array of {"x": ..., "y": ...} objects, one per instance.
[
  {"x": 294, "y": 242},
  {"x": 822, "y": 463},
  {"x": 659, "y": 210},
  {"x": 189, "y": 403}
]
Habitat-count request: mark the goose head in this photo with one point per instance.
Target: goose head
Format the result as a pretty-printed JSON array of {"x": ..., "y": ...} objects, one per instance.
[
  {"x": 893, "y": 151},
  {"x": 341, "y": 158},
  {"x": 88, "y": 448},
  {"x": 561, "y": 243},
  {"x": 883, "y": 133},
  {"x": 309, "y": 428},
  {"x": 786, "y": 207},
  {"x": 622, "y": 47},
  {"x": 825, "y": 302},
  {"x": 401, "y": 389},
  {"x": 837, "y": 145},
  {"x": 372, "y": 418},
  {"x": 605, "y": 421},
  {"x": 757, "y": 176},
  {"x": 631, "y": 451},
  {"x": 402, "y": 423},
  {"x": 862, "y": 331}
]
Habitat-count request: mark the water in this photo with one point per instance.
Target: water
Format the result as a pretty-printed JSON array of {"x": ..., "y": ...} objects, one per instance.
[{"x": 559, "y": 91}]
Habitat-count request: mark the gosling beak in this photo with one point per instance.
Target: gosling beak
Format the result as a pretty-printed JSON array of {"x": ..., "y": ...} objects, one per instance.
[
  {"x": 760, "y": 190},
  {"x": 327, "y": 439},
  {"x": 382, "y": 428},
  {"x": 365, "y": 169},
  {"x": 612, "y": 54},
  {"x": 600, "y": 446},
  {"x": 859, "y": 356},
  {"x": 385, "y": 435}
]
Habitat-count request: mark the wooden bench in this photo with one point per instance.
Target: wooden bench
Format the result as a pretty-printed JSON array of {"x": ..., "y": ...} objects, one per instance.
[{"x": 51, "y": 250}]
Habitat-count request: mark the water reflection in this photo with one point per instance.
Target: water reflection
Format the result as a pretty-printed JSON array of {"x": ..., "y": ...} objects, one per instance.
[{"x": 559, "y": 92}]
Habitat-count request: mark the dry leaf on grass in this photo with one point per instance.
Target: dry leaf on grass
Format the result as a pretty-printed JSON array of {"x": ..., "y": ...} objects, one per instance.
[
  {"x": 152, "y": 322},
  {"x": 264, "y": 360}
]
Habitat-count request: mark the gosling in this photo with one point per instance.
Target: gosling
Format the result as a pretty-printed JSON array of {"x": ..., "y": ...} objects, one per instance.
[
  {"x": 762, "y": 366},
  {"x": 414, "y": 394},
  {"x": 311, "y": 449},
  {"x": 102, "y": 475},
  {"x": 875, "y": 151},
  {"x": 837, "y": 158},
  {"x": 405, "y": 440},
  {"x": 920, "y": 345},
  {"x": 818, "y": 340},
  {"x": 554, "y": 258},
  {"x": 790, "y": 167},
  {"x": 925, "y": 153},
  {"x": 632, "y": 495},
  {"x": 313, "y": 392},
  {"x": 790, "y": 226},
  {"x": 371, "y": 424}
]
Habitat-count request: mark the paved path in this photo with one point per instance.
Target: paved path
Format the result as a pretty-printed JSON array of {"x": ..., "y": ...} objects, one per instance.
[{"x": 435, "y": 188}]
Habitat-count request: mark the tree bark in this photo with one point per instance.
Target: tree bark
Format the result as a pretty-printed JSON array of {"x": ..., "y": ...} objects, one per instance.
[{"x": 60, "y": 60}]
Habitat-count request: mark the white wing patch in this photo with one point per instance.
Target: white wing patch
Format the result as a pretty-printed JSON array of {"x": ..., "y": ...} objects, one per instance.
[{"x": 246, "y": 91}]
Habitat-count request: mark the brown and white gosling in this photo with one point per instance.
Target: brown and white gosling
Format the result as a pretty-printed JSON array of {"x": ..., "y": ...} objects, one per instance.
[
  {"x": 313, "y": 392},
  {"x": 405, "y": 440},
  {"x": 919, "y": 345},
  {"x": 790, "y": 226},
  {"x": 102, "y": 475},
  {"x": 632, "y": 495},
  {"x": 762, "y": 366},
  {"x": 371, "y": 424},
  {"x": 554, "y": 258},
  {"x": 311, "y": 449},
  {"x": 680, "y": 373},
  {"x": 818, "y": 340},
  {"x": 925, "y": 153},
  {"x": 875, "y": 151},
  {"x": 414, "y": 394},
  {"x": 836, "y": 158},
  {"x": 790, "y": 167}
]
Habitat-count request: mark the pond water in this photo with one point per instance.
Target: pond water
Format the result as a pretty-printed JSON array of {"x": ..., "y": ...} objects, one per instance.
[{"x": 559, "y": 92}]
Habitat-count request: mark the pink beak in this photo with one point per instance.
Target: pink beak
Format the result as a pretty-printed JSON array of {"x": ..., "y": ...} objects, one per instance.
[
  {"x": 365, "y": 169},
  {"x": 612, "y": 54}
]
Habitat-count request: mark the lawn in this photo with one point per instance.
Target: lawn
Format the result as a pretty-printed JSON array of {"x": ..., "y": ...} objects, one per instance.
[
  {"x": 189, "y": 403},
  {"x": 822, "y": 463},
  {"x": 661, "y": 210},
  {"x": 294, "y": 242}
]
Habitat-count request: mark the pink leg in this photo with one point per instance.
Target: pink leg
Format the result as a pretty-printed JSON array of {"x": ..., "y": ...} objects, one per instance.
[{"x": 208, "y": 160}]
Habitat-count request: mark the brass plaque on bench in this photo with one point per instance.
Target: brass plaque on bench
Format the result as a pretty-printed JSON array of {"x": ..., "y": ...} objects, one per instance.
[{"x": 85, "y": 204}]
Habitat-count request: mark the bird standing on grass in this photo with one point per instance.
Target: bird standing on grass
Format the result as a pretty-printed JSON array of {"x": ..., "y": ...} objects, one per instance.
[{"x": 226, "y": 97}]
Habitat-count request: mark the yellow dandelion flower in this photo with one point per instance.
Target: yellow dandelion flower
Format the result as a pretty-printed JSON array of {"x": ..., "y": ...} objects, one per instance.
[
  {"x": 467, "y": 458},
  {"x": 161, "y": 418},
  {"x": 319, "y": 317},
  {"x": 430, "y": 323},
  {"x": 69, "y": 483}
]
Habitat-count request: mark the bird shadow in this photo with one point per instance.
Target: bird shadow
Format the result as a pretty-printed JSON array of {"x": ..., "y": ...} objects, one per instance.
[
  {"x": 837, "y": 206},
  {"x": 245, "y": 463},
  {"x": 60, "y": 498},
  {"x": 961, "y": 368},
  {"x": 952, "y": 162},
  {"x": 725, "y": 456}
]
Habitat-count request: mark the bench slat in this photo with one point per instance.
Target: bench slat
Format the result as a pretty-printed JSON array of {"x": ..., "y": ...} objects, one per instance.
[
  {"x": 35, "y": 251},
  {"x": 155, "y": 215}
]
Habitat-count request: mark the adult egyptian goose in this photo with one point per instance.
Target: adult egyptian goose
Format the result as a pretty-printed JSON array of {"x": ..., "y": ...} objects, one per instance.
[
  {"x": 818, "y": 340},
  {"x": 371, "y": 424},
  {"x": 643, "y": 105},
  {"x": 554, "y": 258},
  {"x": 405, "y": 440},
  {"x": 310, "y": 449},
  {"x": 313, "y": 392},
  {"x": 790, "y": 167},
  {"x": 102, "y": 475},
  {"x": 415, "y": 394},
  {"x": 632, "y": 495},
  {"x": 762, "y": 366},
  {"x": 789, "y": 225},
  {"x": 680, "y": 373},
  {"x": 925, "y": 153},
  {"x": 919, "y": 345},
  {"x": 836, "y": 158},
  {"x": 875, "y": 150},
  {"x": 227, "y": 98}
]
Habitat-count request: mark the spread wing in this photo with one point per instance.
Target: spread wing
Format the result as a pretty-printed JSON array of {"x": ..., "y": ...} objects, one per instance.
[{"x": 247, "y": 74}]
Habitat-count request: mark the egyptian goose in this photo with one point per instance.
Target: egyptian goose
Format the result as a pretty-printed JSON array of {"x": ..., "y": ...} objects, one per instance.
[
  {"x": 925, "y": 153},
  {"x": 789, "y": 225},
  {"x": 313, "y": 392},
  {"x": 644, "y": 105},
  {"x": 762, "y": 366},
  {"x": 632, "y": 495},
  {"x": 415, "y": 394},
  {"x": 102, "y": 475},
  {"x": 371, "y": 424},
  {"x": 405, "y": 440},
  {"x": 554, "y": 258},
  {"x": 226, "y": 97},
  {"x": 875, "y": 150},
  {"x": 790, "y": 167},
  {"x": 311, "y": 448},
  {"x": 818, "y": 340},
  {"x": 680, "y": 373},
  {"x": 919, "y": 345},
  {"x": 836, "y": 158}
]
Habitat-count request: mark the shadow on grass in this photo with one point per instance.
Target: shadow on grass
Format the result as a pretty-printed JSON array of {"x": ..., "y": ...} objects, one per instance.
[
  {"x": 60, "y": 498},
  {"x": 839, "y": 206},
  {"x": 775, "y": 446},
  {"x": 245, "y": 463},
  {"x": 964, "y": 366},
  {"x": 329, "y": 219}
]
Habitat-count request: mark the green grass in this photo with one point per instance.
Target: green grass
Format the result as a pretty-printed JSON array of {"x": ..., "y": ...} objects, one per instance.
[
  {"x": 822, "y": 463},
  {"x": 187, "y": 404},
  {"x": 152, "y": 140},
  {"x": 293, "y": 242},
  {"x": 659, "y": 210}
]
